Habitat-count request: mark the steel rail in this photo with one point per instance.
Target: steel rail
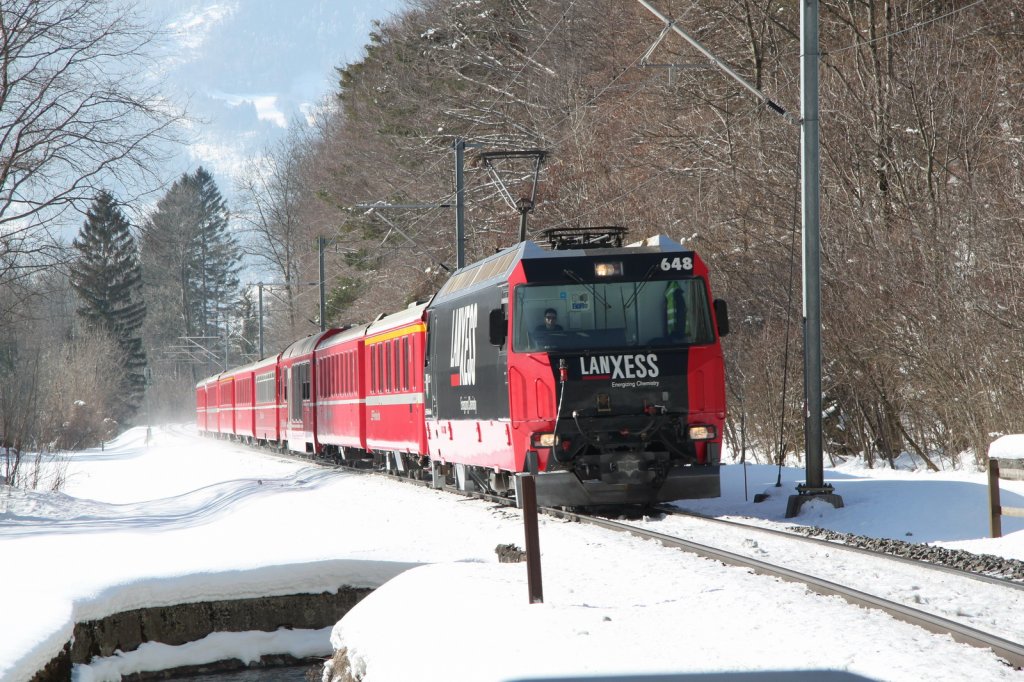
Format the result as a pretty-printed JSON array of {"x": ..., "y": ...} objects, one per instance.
[
  {"x": 1011, "y": 652},
  {"x": 832, "y": 544}
]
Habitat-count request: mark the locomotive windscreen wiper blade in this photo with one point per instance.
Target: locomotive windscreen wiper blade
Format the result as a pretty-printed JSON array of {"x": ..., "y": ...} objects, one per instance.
[
  {"x": 637, "y": 289},
  {"x": 592, "y": 287}
]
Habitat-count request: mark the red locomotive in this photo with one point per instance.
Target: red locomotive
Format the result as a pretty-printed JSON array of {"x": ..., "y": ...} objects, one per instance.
[{"x": 596, "y": 365}]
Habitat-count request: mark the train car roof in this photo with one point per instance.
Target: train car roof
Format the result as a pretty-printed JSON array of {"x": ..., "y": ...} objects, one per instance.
[
  {"x": 252, "y": 366},
  {"x": 355, "y": 332},
  {"x": 496, "y": 269},
  {"x": 268, "y": 361},
  {"x": 238, "y": 370},
  {"x": 208, "y": 380},
  {"x": 306, "y": 345},
  {"x": 383, "y": 323},
  {"x": 403, "y": 317}
]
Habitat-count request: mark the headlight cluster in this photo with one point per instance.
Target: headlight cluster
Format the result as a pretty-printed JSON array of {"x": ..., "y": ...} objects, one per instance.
[
  {"x": 544, "y": 440},
  {"x": 702, "y": 432}
]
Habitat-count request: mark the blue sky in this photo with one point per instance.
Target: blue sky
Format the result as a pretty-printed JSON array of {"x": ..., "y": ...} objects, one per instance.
[{"x": 249, "y": 68}]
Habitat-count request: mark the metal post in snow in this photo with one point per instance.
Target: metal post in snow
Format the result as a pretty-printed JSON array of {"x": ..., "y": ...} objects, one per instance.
[
  {"x": 812, "y": 243},
  {"x": 814, "y": 486},
  {"x": 533, "y": 573}
]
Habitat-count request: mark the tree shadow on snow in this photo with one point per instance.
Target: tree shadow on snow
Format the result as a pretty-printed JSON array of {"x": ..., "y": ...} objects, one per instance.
[
  {"x": 908, "y": 507},
  {"x": 26, "y": 513}
]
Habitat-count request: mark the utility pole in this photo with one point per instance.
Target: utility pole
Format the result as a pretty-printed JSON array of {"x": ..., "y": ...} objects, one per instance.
[
  {"x": 147, "y": 383},
  {"x": 814, "y": 487},
  {"x": 809, "y": 148},
  {"x": 259, "y": 288},
  {"x": 226, "y": 340},
  {"x": 460, "y": 203},
  {"x": 321, "y": 242}
]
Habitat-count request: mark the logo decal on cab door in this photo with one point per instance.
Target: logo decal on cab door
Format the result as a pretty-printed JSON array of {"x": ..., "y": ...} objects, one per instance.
[{"x": 463, "y": 352}]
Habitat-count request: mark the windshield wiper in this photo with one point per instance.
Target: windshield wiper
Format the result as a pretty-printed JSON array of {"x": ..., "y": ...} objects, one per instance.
[
  {"x": 638, "y": 289},
  {"x": 592, "y": 288}
]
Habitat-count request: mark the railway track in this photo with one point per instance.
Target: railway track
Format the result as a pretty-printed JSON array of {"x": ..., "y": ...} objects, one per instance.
[
  {"x": 823, "y": 538},
  {"x": 930, "y": 611},
  {"x": 901, "y": 588},
  {"x": 1009, "y": 650}
]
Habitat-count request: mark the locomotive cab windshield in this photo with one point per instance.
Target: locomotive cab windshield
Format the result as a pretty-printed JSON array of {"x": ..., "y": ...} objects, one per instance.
[{"x": 603, "y": 315}]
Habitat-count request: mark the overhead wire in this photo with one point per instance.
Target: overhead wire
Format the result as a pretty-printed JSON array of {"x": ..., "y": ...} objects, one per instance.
[
  {"x": 755, "y": 107},
  {"x": 604, "y": 89},
  {"x": 913, "y": 27},
  {"x": 510, "y": 83}
]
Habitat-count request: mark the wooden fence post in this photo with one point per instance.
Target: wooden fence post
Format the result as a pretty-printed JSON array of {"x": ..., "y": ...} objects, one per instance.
[{"x": 995, "y": 510}]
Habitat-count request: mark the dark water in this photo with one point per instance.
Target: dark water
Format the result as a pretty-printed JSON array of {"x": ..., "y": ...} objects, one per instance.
[{"x": 289, "y": 674}]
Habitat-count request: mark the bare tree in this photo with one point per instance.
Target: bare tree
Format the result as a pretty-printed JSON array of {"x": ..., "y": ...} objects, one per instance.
[
  {"x": 75, "y": 116},
  {"x": 271, "y": 191},
  {"x": 80, "y": 404},
  {"x": 56, "y": 394}
]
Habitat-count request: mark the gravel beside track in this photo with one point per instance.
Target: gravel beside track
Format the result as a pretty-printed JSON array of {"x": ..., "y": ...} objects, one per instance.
[{"x": 984, "y": 564}]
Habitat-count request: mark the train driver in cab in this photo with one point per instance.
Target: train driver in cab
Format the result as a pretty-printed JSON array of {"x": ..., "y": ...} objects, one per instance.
[{"x": 550, "y": 322}]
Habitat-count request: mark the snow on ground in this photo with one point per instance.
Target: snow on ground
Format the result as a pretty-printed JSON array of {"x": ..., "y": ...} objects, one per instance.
[{"x": 189, "y": 519}]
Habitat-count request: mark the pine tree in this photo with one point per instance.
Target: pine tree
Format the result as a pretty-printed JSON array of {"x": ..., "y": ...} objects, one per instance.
[
  {"x": 192, "y": 259},
  {"x": 214, "y": 256},
  {"x": 107, "y": 276}
]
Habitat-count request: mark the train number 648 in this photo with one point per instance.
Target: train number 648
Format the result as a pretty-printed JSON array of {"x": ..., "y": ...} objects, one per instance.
[{"x": 677, "y": 263}]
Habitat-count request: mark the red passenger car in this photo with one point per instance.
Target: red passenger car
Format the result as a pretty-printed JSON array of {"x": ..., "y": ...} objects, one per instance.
[
  {"x": 393, "y": 374},
  {"x": 244, "y": 399},
  {"x": 341, "y": 394},
  {"x": 226, "y": 403},
  {"x": 268, "y": 407},
  {"x": 206, "y": 405},
  {"x": 298, "y": 370}
]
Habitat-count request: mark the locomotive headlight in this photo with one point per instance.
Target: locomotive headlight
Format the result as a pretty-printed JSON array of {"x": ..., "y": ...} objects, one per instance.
[
  {"x": 609, "y": 269},
  {"x": 544, "y": 440},
  {"x": 702, "y": 432}
]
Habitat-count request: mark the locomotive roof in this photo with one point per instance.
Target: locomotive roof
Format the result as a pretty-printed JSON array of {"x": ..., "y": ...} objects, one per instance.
[
  {"x": 487, "y": 272},
  {"x": 497, "y": 268}
]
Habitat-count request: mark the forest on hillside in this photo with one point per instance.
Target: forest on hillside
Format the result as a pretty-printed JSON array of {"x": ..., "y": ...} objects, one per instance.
[
  {"x": 921, "y": 196},
  {"x": 921, "y": 192}
]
